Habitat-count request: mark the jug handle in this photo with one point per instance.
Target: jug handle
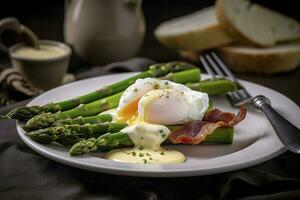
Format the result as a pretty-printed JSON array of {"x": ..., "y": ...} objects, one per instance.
[{"x": 12, "y": 27}]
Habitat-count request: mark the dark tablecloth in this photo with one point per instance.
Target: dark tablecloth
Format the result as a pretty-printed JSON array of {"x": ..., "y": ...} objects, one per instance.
[{"x": 25, "y": 174}]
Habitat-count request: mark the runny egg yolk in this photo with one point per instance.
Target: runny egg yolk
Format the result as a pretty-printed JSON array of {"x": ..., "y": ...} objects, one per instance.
[{"x": 129, "y": 113}]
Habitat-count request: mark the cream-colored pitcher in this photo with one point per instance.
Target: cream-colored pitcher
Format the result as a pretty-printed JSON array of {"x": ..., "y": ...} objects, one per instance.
[{"x": 103, "y": 31}]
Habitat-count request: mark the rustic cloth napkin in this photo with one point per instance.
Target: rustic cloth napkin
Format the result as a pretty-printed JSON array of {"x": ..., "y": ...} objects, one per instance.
[
  {"x": 13, "y": 86},
  {"x": 25, "y": 174}
]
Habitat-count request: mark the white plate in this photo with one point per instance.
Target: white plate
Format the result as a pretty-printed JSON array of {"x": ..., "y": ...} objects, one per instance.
[{"x": 254, "y": 142}]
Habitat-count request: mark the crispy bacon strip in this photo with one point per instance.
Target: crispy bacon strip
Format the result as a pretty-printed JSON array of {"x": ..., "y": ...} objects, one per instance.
[{"x": 196, "y": 131}]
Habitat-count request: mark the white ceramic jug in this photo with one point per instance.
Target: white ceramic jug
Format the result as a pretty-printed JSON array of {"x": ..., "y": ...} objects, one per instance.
[{"x": 103, "y": 31}]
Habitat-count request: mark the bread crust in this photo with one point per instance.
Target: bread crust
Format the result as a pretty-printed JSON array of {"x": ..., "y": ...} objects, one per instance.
[{"x": 260, "y": 62}]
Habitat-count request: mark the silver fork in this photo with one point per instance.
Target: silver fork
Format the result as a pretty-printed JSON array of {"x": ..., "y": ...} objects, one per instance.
[{"x": 286, "y": 131}]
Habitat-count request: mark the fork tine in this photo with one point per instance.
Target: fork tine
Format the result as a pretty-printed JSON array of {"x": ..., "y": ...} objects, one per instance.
[
  {"x": 244, "y": 94},
  {"x": 206, "y": 67},
  {"x": 235, "y": 96},
  {"x": 214, "y": 65},
  {"x": 223, "y": 67},
  {"x": 207, "y": 62}
]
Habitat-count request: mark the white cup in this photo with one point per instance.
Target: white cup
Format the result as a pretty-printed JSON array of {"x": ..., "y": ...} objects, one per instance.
[{"x": 42, "y": 72}]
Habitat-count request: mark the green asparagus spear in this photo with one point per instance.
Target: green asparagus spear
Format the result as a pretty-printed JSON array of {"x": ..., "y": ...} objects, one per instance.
[
  {"x": 74, "y": 131},
  {"x": 119, "y": 140},
  {"x": 222, "y": 135},
  {"x": 47, "y": 119},
  {"x": 156, "y": 70},
  {"x": 186, "y": 76},
  {"x": 85, "y": 120},
  {"x": 207, "y": 86},
  {"x": 214, "y": 86},
  {"x": 103, "y": 143}
]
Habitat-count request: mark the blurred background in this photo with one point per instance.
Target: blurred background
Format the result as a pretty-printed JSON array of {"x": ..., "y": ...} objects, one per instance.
[{"x": 46, "y": 19}]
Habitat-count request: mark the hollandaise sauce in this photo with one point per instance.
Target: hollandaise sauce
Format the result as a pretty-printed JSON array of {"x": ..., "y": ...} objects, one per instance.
[
  {"x": 44, "y": 52},
  {"x": 147, "y": 139}
]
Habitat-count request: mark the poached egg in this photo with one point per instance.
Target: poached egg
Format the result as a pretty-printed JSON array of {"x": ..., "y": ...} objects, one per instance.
[{"x": 148, "y": 106}]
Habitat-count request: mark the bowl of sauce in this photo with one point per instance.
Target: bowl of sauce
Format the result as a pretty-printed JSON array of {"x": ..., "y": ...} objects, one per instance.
[{"x": 42, "y": 67}]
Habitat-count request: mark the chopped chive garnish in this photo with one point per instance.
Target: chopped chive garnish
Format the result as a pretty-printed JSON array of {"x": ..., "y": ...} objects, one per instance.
[
  {"x": 141, "y": 147},
  {"x": 156, "y": 86}
]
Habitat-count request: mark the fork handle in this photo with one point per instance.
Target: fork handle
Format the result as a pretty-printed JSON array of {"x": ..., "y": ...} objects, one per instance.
[{"x": 286, "y": 131}]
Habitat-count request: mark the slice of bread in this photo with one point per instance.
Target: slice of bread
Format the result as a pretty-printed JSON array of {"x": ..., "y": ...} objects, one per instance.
[
  {"x": 197, "y": 31},
  {"x": 280, "y": 58},
  {"x": 255, "y": 24}
]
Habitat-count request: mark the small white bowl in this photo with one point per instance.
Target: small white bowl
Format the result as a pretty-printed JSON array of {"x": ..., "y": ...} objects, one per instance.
[{"x": 42, "y": 73}]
